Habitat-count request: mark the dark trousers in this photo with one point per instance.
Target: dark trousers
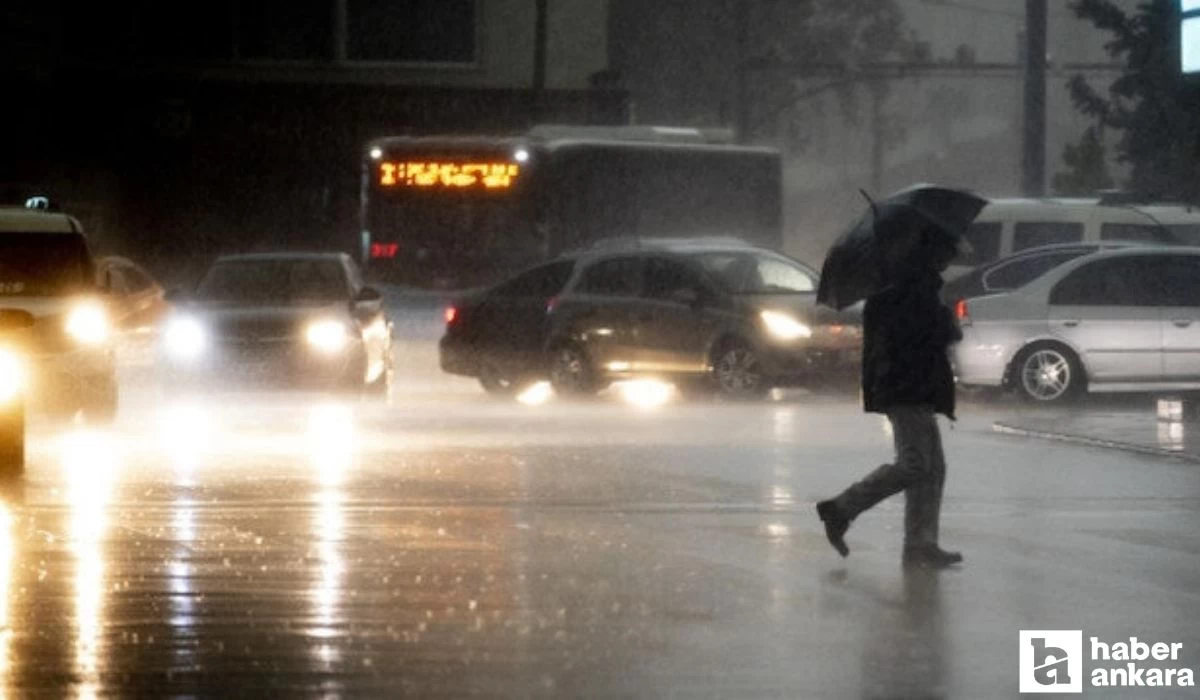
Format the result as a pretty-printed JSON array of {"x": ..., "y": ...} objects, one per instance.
[{"x": 919, "y": 471}]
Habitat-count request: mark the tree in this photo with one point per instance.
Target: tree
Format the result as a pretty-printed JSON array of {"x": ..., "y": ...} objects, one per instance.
[
  {"x": 1088, "y": 168},
  {"x": 1154, "y": 108},
  {"x": 802, "y": 50}
]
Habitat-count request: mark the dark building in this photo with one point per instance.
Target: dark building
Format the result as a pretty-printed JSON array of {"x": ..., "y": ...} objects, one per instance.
[{"x": 179, "y": 130}]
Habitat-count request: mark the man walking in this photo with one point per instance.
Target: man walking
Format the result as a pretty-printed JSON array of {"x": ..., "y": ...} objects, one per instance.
[{"x": 906, "y": 375}]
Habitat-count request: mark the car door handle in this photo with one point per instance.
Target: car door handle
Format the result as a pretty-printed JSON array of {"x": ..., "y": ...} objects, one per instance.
[
  {"x": 1071, "y": 323},
  {"x": 1181, "y": 322}
]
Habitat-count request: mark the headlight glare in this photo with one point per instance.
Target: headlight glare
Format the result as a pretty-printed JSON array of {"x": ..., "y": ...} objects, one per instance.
[
  {"x": 12, "y": 375},
  {"x": 784, "y": 326},
  {"x": 327, "y": 336},
  {"x": 185, "y": 339},
  {"x": 88, "y": 324}
]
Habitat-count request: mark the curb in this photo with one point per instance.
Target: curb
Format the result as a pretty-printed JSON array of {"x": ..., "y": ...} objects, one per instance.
[{"x": 1019, "y": 431}]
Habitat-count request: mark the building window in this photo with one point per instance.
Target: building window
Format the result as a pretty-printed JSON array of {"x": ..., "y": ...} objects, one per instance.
[
  {"x": 411, "y": 31},
  {"x": 283, "y": 30}
]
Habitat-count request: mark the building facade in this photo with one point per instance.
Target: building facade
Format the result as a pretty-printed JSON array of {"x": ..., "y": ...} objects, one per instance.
[{"x": 181, "y": 130}]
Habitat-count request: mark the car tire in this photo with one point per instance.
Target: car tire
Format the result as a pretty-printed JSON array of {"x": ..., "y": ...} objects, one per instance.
[
  {"x": 498, "y": 384},
  {"x": 571, "y": 372},
  {"x": 12, "y": 439},
  {"x": 1048, "y": 373},
  {"x": 737, "y": 371}
]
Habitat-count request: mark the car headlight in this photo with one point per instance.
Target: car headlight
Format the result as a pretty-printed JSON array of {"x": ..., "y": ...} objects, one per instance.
[
  {"x": 12, "y": 375},
  {"x": 88, "y": 324},
  {"x": 327, "y": 336},
  {"x": 185, "y": 339},
  {"x": 783, "y": 326}
]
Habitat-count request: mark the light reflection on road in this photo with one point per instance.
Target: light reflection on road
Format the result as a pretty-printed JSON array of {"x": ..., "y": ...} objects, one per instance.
[
  {"x": 90, "y": 460},
  {"x": 331, "y": 447}
]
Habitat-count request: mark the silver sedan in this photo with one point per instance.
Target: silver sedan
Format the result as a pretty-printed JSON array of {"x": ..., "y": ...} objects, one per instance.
[{"x": 1117, "y": 320}]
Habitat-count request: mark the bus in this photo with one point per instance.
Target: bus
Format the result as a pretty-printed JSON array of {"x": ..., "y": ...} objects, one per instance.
[{"x": 461, "y": 211}]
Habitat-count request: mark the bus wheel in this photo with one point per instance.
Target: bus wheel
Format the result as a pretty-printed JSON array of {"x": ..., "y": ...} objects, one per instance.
[{"x": 571, "y": 372}]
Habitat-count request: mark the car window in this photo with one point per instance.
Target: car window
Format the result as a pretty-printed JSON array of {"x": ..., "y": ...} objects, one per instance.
[
  {"x": 1181, "y": 280},
  {"x": 983, "y": 243},
  {"x": 274, "y": 281},
  {"x": 754, "y": 273},
  {"x": 1149, "y": 233},
  {"x": 1129, "y": 281},
  {"x": 1187, "y": 234},
  {"x": 1022, "y": 271},
  {"x": 113, "y": 279},
  {"x": 618, "y": 277},
  {"x": 665, "y": 277},
  {"x": 1032, "y": 234},
  {"x": 136, "y": 280},
  {"x": 541, "y": 282}
]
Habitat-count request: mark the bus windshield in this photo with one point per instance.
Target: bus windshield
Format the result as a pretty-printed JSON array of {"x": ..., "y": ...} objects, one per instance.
[{"x": 443, "y": 236}]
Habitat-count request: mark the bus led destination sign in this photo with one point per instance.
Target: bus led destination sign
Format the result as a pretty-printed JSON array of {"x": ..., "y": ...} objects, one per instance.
[{"x": 447, "y": 175}]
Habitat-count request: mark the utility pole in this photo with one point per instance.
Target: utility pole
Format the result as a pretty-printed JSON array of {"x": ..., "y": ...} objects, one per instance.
[
  {"x": 539, "y": 61},
  {"x": 338, "y": 48},
  {"x": 741, "y": 10},
  {"x": 1033, "y": 161}
]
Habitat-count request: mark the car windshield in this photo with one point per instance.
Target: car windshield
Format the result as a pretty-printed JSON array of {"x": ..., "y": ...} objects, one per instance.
[
  {"x": 755, "y": 273},
  {"x": 43, "y": 264},
  {"x": 274, "y": 282}
]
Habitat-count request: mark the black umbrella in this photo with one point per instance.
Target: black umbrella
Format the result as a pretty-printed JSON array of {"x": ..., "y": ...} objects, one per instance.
[{"x": 893, "y": 239}]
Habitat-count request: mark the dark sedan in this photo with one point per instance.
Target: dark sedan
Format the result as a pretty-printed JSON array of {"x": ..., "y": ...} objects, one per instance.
[
  {"x": 708, "y": 315},
  {"x": 304, "y": 320}
]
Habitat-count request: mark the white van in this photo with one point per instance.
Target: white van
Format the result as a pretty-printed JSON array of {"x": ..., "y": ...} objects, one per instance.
[{"x": 1007, "y": 226}]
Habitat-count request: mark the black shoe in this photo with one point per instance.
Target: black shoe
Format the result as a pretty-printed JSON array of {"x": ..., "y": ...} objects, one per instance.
[
  {"x": 930, "y": 557},
  {"x": 836, "y": 525}
]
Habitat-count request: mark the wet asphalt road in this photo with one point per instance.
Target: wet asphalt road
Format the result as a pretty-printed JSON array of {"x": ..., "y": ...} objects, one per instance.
[{"x": 446, "y": 545}]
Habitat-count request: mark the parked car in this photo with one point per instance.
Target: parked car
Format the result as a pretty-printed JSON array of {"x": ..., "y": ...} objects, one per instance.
[
  {"x": 47, "y": 270},
  {"x": 708, "y": 314},
  {"x": 1009, "y": 226},
  {"x": 290, "y": 319},
  {"x": 1019, "y": 269},
  {"x": 1116, "y": 320}
]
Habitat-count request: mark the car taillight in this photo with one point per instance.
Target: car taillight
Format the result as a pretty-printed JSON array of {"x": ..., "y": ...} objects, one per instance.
[
  {"x": 960, "y": 310},
  {"x": 451, "y": 314}
]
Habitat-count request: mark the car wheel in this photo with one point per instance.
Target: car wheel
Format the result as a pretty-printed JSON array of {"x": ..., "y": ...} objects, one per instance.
[
  {"x": 1048, "y": 374},
  {"x": 497, "y": 383},
  {"x": 571, "y": 372},
  {"x": 738, "y": 372},
  {"x": 12, "y": 439}
]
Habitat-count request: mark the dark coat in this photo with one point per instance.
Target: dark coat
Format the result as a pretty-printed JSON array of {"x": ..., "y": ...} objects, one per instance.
[{"x": 907, "y": 331}]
